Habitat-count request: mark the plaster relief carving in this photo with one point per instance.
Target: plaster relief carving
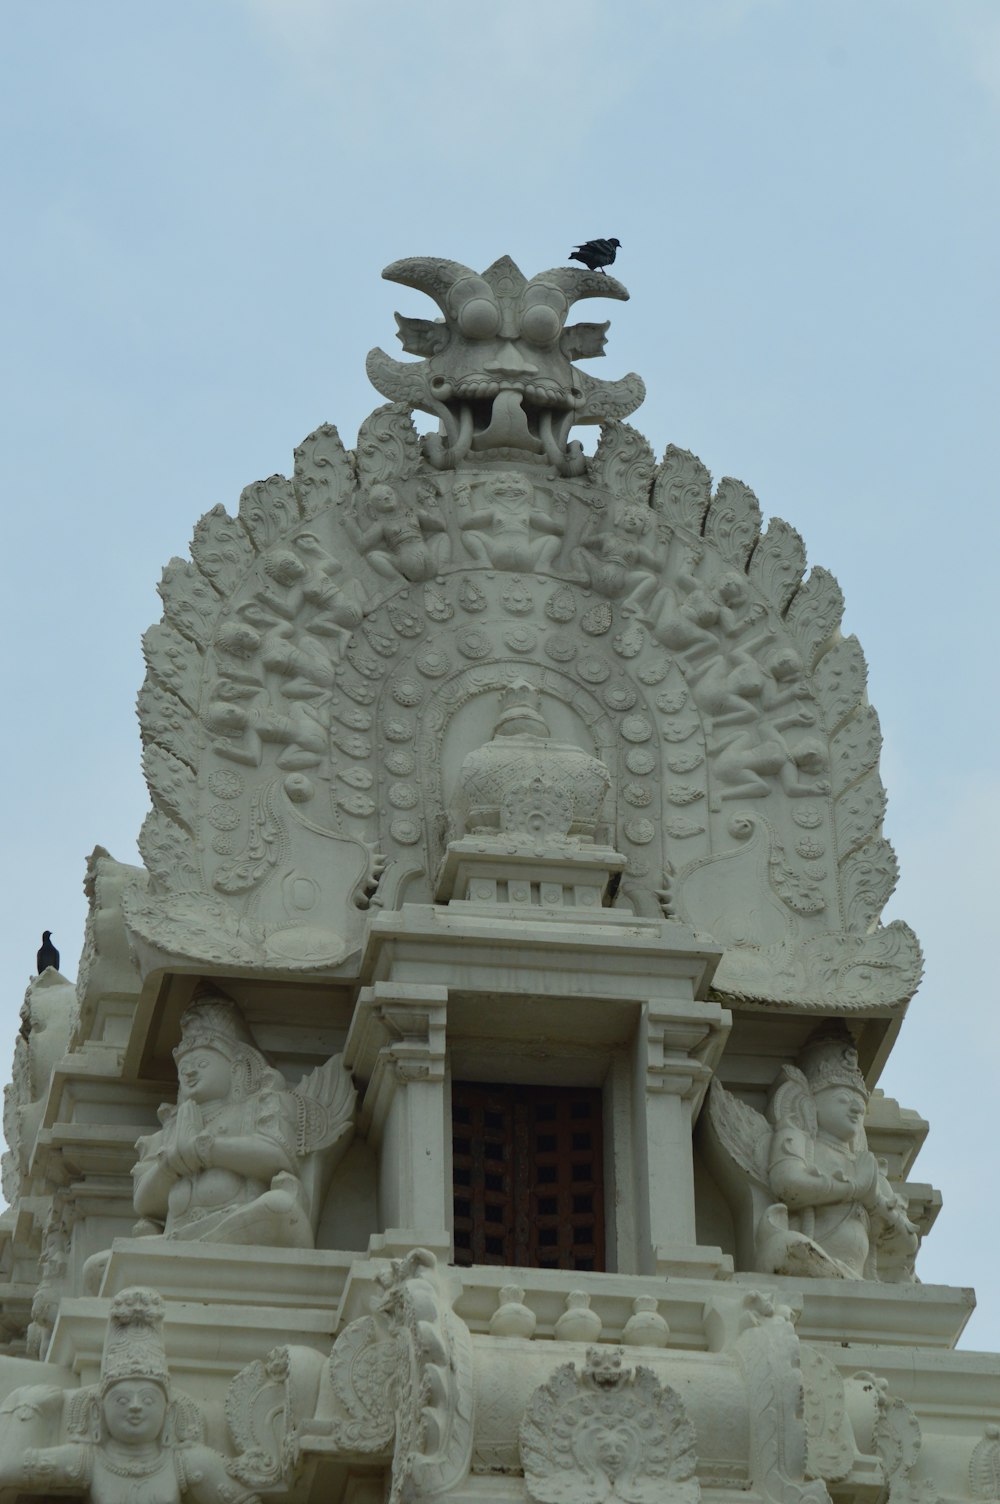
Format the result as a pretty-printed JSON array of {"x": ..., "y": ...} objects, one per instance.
[
  {"x": 497, "y": 371},
  {"x": 984, "y": 1465},
  {"x": 809, "y": 1196},
  {"x": 604, "y": 1433},
  {"x": 525, "y": 782},
  {"x": 497, "y": 524},
  {"x": 265, "y": 1404},
  {"x": 769, "y": 1356},
  {"x": 396, "y": 541},
  {"x": 404, "y": 1378},
  {"x": 350, "y": 587},
  {"x": 885, "y": 1426},
  {"x": 243, "y": 1157},
  {"x": 128, "y": 1440}
]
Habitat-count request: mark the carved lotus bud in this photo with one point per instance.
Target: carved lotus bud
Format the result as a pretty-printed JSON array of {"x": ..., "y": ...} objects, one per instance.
[{"x": 523, "y": 782}]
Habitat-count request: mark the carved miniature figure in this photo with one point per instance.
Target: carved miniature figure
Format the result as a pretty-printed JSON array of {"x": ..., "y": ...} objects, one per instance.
[
  {"x": 395, "y": 542},
  {"x": 615, "y": 562},
  {"x": 819, "y": 1203},
  {"x": 749, "y": 759},
  {"x": 685, "y": 618},
  {"x": 499, "y": 533},
  {"x": 236, "y": 1159},
  {"x": 339, "y": 602},
  {"x": 130, "y": 1440}
]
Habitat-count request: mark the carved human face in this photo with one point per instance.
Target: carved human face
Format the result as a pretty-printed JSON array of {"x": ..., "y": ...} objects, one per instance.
[
  {"x": 840, "y": 1111},
  {"x": 383, "y": 499},
  {"x": 614, "y": 1448},
  {"x": 509, "y": 489},
  {"x": 631, "y": 522},
  {"x": 284, "y": 568},
  {"x": 205, "y": 1075},
  {"x": 134, "y": 1411},
  {"x": 785, "y": 664},
  {"x": 733, "y": 590},
  {"x": 238, "y": 639}
]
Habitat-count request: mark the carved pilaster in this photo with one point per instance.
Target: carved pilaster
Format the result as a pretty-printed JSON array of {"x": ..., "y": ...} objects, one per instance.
[
  {"x": 676, "y": 1047},
  {"x": 396, "y": 1046}
]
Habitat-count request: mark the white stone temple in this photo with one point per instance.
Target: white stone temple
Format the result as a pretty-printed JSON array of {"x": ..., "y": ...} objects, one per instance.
[{"x": 474, "y": 1094}]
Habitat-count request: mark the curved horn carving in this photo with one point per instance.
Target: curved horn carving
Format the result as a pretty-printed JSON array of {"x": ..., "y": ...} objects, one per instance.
[
  {"x": 603, "y": 401},
  {"x": 399, "y": 380},
  {"x": 429, "y": 274},
  {"x": 581, "y": 284}
]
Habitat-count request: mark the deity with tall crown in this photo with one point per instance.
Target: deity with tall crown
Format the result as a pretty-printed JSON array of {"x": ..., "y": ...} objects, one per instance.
[
  {"x": 130, "y": 1438},
  {"x": 231, "y": 1163},
  {"x": 811, "y": 1196}
]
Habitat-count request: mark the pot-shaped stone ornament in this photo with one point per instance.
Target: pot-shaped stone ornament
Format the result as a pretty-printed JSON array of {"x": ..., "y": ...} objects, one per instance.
[{"x": 523, "y": 782}]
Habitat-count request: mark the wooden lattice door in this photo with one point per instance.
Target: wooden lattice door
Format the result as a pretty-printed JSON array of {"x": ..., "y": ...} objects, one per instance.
[{"x": 528, "y": 1176}]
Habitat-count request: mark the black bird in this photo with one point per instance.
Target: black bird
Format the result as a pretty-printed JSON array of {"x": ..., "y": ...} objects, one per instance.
[
  {"x": 596, "y": 254},
  {"x": 47, "y": 954}
]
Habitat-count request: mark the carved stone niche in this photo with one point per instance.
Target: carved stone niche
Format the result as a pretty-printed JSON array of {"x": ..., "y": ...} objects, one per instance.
[
  {"x": 808, "y": 1196},
  {"x": 607, "y": 1433}
]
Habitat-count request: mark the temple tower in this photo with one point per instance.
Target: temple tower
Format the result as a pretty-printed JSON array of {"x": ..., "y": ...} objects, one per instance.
[{"x": 474, "y": 1093}]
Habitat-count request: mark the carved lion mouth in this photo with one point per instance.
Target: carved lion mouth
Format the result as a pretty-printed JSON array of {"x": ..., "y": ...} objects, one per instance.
[
  {"x": 479, "y": 413},
  {"x": 542, "y": 393}
]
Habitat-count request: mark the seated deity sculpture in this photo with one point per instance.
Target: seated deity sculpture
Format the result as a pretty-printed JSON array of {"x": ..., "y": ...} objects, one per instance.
[
  {"x": 242, "y": 1157},
  {"x": 808, "y": 1196},
  {"x": 128, "y": 1439}
]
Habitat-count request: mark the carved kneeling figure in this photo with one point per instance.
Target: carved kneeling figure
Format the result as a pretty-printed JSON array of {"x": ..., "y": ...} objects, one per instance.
[
  {"x": 235, "y": 1160},
  {"x": 815, "y": 1197}
]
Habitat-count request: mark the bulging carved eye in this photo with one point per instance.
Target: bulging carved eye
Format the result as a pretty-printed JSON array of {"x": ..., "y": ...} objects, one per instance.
[
  {"x": 540, "y": 324},
  {"x": 479, "y": 319}
]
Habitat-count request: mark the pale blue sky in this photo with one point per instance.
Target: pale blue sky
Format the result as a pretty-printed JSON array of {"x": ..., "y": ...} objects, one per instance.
[{"x": 200, "y": 196}]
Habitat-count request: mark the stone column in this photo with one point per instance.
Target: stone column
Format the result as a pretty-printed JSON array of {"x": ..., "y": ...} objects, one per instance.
[{"x": 396, "y": 1049}]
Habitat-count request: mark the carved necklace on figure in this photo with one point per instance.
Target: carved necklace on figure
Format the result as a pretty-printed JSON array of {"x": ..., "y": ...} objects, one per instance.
[{"x": 142, "y": 1466}]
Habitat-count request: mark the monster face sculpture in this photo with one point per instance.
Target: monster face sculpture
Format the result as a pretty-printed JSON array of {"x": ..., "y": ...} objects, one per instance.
[{"x": 497, "y": 368}]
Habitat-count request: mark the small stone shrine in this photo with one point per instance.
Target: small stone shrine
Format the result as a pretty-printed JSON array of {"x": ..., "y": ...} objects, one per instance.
[{"x": 474, "y": 1092}]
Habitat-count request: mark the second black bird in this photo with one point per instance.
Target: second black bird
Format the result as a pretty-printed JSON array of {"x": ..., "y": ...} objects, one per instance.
[
  {"x": 47, "y": 954},
  {"x": 596, "y": 254}
]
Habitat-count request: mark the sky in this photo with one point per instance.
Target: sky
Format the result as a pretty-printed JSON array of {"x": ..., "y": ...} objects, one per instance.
[{"x": 200, "y": 196}]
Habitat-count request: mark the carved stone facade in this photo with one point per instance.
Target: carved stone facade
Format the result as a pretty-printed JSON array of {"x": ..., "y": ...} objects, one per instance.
[{"x": 478, "y": 761}]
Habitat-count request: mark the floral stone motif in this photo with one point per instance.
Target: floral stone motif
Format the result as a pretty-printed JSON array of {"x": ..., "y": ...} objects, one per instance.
[{"x": 607, "y": 1433}]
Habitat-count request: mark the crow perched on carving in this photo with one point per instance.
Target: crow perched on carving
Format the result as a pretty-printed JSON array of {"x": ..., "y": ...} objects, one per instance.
[
  {"x": 596, "y": 254},
  {"x": 47, "y": 954}
]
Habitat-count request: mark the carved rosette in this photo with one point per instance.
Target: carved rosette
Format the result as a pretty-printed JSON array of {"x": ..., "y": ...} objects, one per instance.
[
  {"x": 605, "y": 1433},
  {"x": 329, "y": 657}
]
